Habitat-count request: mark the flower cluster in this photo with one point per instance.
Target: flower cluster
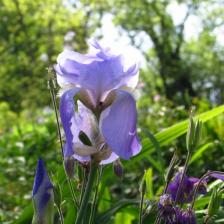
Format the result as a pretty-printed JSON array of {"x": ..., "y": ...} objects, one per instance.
[
  {"x": 168, "y": 207},
  {"x": 175, "y": 215}
]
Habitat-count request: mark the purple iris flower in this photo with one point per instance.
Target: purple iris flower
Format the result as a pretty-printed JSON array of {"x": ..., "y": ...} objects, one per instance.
[
  {"x": 187, "y": 190},
  {"x": 106, "y": 111},
  {"x": 42, "y": 195}
]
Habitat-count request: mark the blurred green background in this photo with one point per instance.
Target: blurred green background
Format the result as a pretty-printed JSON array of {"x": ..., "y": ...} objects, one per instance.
[{"x": 180, "y": 45}]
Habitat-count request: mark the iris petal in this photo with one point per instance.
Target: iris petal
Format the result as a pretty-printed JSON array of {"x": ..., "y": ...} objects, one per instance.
[
  {"x": 67, "y": 107},
  {"x": 118, "y": 125},
  {"x": 98, "y": 73},
  {"x": 74, "y": 122},
  {"x": 111, "y": 159}
]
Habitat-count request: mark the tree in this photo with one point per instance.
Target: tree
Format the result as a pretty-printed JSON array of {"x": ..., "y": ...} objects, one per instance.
[
  {"x": 169, "y": 51},
  {"x": 33, "y": 33}
]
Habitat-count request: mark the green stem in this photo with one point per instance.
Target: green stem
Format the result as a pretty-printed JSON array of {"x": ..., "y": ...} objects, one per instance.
[
  {"x": 93, "y": 209},
  {"x": 83, "y": 186},
  {"x": 60, "y": 215},
  {"x": 86, "y": 196},
  {"x": 141, "y": 207}
]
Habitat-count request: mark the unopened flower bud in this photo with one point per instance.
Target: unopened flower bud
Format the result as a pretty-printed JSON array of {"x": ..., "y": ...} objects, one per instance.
[
  {"x": 193, "y": 134},
  {"x": 43, "y": 196},
  {"x": 118, "y": 169}
]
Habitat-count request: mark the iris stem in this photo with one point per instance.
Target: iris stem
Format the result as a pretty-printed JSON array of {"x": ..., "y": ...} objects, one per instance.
[
  {"x": 183, "y": 176},
  {"x": 86, "y": 196},
  {"x": 53, "y": 98},
  {"x": 141, "y": 207},
  {"x": 93, "y": 208},
  {"x": 60, "y": 214},
  {"x": 83, "y": 186}
]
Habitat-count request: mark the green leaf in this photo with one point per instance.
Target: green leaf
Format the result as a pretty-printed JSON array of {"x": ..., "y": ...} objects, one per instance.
[
  {"x": 169, "y": 134},
  {"x": 149, "y": 183},
  {"x": 159, "y": 162},
  {"x": 26, "y": 216},
  {"x": 71, "y": 214},
  {"x": 124, "y": 217},
  {"x": 106, "y": 216}
]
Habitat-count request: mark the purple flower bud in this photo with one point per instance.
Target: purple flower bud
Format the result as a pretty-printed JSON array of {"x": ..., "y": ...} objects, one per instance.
[
  {"x": 118, "y": 169},
  {"x": 43, "y": 198},
  {"x": 69, "y": 166}
]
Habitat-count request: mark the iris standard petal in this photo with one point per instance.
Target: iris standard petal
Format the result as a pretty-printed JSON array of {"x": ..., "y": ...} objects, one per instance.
[
  {"x": 118, "y": 125},
  {"x": 99, "y": 73}
]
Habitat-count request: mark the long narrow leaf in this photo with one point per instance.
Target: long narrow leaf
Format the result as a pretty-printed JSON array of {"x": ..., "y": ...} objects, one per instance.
[{"x": 168, "y": 135}]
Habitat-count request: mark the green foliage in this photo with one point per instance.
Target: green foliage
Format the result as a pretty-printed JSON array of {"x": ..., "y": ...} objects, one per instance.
[
  {"x": 32, "y": 35},
  {"x": 20, "y": 147}
]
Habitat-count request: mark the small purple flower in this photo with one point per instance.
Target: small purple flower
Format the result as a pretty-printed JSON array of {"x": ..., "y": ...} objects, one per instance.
[
  {"x": 187, "y": 190},
  {"x": 106, "y": 113},
  {"x": 42, "y": 196},
  {"x": 185, "y": 216},
  {"x": 174, "y": 215}
]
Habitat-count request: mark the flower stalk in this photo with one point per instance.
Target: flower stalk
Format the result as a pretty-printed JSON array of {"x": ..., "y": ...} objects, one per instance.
[
  {"x": 182, "y": 177},
  {"x": 142, "y": 190},
  {"x": 93, "y": 208},
  {"x": 87, "y": 193},
  {"x": 215, "y": 174},
  {"x": 53, "y": 98}
]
